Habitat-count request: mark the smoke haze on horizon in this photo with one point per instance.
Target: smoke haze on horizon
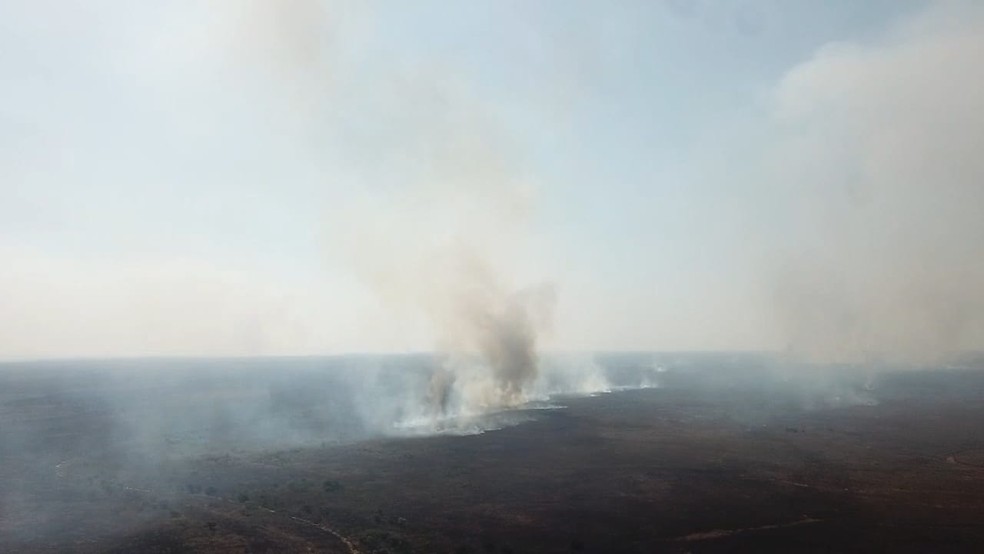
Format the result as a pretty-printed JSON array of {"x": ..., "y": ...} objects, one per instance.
[{"x": 319, "y": 177}]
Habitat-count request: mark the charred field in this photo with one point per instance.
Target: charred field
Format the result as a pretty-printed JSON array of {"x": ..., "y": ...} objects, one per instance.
[{"x": 727, "y": 454}]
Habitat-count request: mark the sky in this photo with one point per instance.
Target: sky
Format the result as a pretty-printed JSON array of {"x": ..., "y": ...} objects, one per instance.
[{"x": 240, "y": 177}]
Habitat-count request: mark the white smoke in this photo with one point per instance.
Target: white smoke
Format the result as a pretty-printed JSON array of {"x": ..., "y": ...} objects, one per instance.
[
  {"x": 441, "y": 233},
  {"x": 878, "y": 163}
]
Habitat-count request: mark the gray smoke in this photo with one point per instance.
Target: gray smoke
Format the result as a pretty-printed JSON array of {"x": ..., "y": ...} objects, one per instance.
[
  {"x": 442, "y": 244},
  {"x": 501, "y": 326},
  {"x": 879, "y": 167},
  {"x": 439, "y": 231}
]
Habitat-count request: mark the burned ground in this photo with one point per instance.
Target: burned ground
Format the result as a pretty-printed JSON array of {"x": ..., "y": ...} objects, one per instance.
[{"x": 724, "y": 464}]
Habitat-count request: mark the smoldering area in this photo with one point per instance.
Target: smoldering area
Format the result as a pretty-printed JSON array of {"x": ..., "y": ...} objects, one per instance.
[{"x": 160, "y": 409}]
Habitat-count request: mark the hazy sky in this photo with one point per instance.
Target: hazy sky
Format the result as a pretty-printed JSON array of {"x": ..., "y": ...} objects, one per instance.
[{"x": 194, "y": 177}]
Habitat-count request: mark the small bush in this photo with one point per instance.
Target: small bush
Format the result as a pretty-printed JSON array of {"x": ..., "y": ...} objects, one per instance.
[{"x": 330, "y": 485}]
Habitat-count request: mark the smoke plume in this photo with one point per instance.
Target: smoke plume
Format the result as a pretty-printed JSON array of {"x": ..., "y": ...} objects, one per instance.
[
  {"x": 441, "y": 233},
  {"x": 501, "y": 326},
  {"x": 437, "y": 232},
  {"x": 879, "y": 165}
]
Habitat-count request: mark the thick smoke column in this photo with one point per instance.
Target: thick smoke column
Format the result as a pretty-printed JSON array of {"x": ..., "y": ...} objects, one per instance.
[
  {"x": 437, "y": 230},
  {"x": 501, "y": 326},
  {"x": 442, "y": 231},
  {"x": 428, "y": 259}
]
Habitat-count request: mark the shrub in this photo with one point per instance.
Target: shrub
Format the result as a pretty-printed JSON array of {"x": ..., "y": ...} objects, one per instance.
[{"x": 330, "y": 485}]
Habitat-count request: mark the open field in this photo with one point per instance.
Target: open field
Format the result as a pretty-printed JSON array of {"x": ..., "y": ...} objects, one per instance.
[{"x": 721, "y": 457}]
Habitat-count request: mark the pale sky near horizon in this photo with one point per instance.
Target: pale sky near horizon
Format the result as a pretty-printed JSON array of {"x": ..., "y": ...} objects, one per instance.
[{"x": 192, "y": 177}]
